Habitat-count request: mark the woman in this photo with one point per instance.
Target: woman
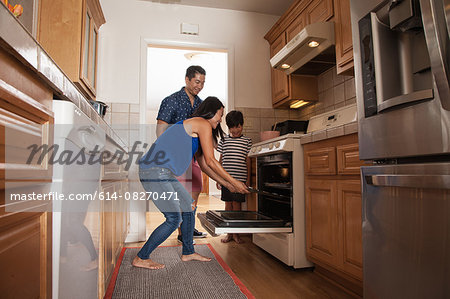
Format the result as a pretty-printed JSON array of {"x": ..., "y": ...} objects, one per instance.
[{"x": 170, "y": 156}]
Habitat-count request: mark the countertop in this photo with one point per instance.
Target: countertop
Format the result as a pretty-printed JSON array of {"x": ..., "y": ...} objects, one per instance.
[
  {"x": 342, "y": 130},
  {"x": 20, "y": 43}
]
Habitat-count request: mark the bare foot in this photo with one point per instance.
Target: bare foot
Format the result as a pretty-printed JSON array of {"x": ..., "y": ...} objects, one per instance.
[
  {"x": 237, "y": 239},
  {"x": 195, "y": 257},
  {"x": 149, "y": 264},
  {"x": 227, "y": 239},
  {"x": 90, "y": 266}
]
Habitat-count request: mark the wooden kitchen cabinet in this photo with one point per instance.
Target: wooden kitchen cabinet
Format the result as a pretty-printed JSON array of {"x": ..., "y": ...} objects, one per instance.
[
  {"x": 319, "y": 11},
  {"x": 343, "y": 37},
  {"x": 300, "y": 14},
  {"x": 287, "y": 88},
  {"x": 25, "y": 227},
  {"x": 280, "y": 81},
  {"x": 114, "y": 216},
  {"x": 68, "y": 31},
  {"x": 333, "y": 210}
]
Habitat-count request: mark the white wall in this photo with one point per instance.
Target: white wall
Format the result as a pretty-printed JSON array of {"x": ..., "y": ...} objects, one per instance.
[{"x": 127, "y": 22}]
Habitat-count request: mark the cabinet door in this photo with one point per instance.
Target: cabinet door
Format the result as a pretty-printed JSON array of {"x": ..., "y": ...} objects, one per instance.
[
  {"x": 280, "y": 82},
  {"x": 25, "y": 226},
  {"x": 348, "y": 159},
  {"x": 107, "y": 249},
  {"x": 88, "y": 70},
  {"x": 321, "y": 220},
  {"x": 343, "y": 33},
  {"x": 319, "y": 11},
  {"x": 350, "y": 227},
  {"x": 296, "y": 26},
  {"x": 321, "y": 161}
]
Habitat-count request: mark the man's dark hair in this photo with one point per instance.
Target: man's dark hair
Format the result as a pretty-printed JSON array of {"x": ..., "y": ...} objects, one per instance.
[
  {"x": 194, "y": 69},
  {"x": 234, "y": 118}
]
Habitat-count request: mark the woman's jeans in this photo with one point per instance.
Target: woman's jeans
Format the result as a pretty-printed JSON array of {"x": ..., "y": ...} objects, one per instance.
[{"x": 175, "y": 202}]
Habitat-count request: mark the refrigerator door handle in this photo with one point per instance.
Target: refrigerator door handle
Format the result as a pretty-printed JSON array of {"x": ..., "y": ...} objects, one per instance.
[
  {"x": 435, "y": 23},
  {"x": 409, "y": 181}
]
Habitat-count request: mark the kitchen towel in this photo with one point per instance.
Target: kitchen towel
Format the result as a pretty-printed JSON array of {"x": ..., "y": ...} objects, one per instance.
[{"x": 178, "y": 279}]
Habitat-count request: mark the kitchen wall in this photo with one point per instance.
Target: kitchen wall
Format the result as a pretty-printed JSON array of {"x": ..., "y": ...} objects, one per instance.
[
  {"x": 335, "y": 91},
  {"x": 127, "y": 22}
]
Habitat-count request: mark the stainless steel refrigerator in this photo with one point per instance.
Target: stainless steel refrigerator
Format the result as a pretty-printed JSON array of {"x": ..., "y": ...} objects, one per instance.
[{"x": 401, "y": 57}]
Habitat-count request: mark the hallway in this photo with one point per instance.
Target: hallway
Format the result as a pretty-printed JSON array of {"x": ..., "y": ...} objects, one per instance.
[{"x": 262, "y": 274}]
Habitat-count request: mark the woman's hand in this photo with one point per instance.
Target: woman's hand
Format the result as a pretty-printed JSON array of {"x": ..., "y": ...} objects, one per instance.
[
  {"x": 240, "y": 187},
  {"x": 219, "y": 186}
]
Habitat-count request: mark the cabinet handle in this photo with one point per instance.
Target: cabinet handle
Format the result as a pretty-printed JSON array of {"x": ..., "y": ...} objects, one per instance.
[{"x": 409, "y": 181}]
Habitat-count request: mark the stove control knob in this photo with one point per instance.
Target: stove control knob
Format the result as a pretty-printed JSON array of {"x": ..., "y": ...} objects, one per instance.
[
  {"x": 277, "y": 144},
  {"x": 259, "y": 148},
  {"x": 270, "y": 145}
]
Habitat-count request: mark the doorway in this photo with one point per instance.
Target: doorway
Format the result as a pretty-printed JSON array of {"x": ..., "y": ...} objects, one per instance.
[{"x": 166, "y": 70}]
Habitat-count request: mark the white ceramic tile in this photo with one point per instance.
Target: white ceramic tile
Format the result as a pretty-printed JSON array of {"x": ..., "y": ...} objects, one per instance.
[
  {"x": 306, "y": 138},
  {"x": 320, "y": 135},
  {"x": 337, "y": 79},
  {"x": 134, "y": 118},
  {"x": 135, "y": 108},
  {"x": 267, "y": 123},
  {"x": 328, "y": 98},
  {"x": 267, "y": 112},
  {"x": 327, "y": 79},
  {"x": 250, "y": 112},
  {"x": 120, "y": 107},
  {"x": 335, "y": 132},
  {"x": 350, "y": 89},
  {"x": 350, "y": 101},
  {"x": 282, "y": 113},
  {"x": 339, "y": 93},
  {"x": 351, "y": 128},
  {"x": 119, "y": 118}
]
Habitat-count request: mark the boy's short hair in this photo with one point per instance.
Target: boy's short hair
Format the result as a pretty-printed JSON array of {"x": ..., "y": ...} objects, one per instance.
[{"x": 234, "y": 118}]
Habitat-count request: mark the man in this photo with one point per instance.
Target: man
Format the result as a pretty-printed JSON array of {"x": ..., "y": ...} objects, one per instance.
[{"x": 177, "y": 107}]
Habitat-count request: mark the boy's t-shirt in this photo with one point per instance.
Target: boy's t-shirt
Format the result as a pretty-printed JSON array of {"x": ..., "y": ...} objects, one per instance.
[{"x": 234, "y": 152}]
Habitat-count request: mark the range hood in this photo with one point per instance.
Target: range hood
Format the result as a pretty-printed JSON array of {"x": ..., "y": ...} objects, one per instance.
[{"x": 310, "y": 52}]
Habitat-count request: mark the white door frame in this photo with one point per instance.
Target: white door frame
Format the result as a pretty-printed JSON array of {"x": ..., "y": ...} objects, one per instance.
[{"x": 137, "y": 227}]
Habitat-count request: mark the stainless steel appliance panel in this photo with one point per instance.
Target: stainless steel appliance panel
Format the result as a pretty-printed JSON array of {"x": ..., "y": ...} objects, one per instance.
[
  {"x": 406, "y": 231},
  {"x": 401, "y": 78}
]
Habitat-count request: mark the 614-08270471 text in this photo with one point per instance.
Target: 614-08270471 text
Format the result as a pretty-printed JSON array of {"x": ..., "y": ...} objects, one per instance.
[{"x": 57, "y": 196}]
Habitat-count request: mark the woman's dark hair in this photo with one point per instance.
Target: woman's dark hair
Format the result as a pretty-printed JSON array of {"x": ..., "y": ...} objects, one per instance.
[
  {"x": 207, "y": 109},
  {"x": 234, "y": 118}
]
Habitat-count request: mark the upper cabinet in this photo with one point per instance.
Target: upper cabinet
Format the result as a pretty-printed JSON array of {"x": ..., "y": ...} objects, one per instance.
[
  {"x": 300, "y": 14},
  {"x": 68, "y": 31},
  {"x": 343, "y": 36}
]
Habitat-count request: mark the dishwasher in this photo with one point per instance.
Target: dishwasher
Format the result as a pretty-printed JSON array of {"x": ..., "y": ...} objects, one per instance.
[{"x": 78, "y": 144}]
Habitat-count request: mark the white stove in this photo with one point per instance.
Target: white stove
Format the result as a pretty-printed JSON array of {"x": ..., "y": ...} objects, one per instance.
[{"x": 284, "y": 143}]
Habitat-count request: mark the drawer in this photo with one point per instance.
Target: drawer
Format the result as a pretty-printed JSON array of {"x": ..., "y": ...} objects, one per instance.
[
  {"x": 348, "y": 159},
  {"x": 280, "y": 246},
  {"x": 321, "y": 161}
]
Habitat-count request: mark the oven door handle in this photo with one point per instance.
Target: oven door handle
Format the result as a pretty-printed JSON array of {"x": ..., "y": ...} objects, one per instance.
[{"x": 409, "y": 181}]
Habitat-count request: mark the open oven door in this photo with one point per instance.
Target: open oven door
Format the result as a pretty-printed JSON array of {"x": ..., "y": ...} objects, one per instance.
[{"x": 217, "y": 222}]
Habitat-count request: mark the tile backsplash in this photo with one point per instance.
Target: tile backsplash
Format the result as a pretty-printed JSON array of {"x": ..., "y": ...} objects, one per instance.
[{"x": 335, "y": 91}]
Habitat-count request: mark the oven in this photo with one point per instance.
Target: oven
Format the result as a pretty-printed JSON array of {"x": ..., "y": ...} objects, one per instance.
[{"x": 278, "y": 224}]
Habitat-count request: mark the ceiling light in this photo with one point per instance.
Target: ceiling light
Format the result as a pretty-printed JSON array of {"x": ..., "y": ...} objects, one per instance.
[
  {"x": 313, "y": 44},
  {"x": 197, "y": 56},
  {"x": 298, "y": 104},
  {"x": 285, "y": 66}
]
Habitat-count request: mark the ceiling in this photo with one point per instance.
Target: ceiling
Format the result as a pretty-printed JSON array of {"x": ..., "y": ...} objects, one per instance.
[{"x": 271, "y": 7}]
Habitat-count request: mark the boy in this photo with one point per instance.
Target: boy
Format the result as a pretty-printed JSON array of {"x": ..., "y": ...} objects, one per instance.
[{"x": 234, "y": 150}]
